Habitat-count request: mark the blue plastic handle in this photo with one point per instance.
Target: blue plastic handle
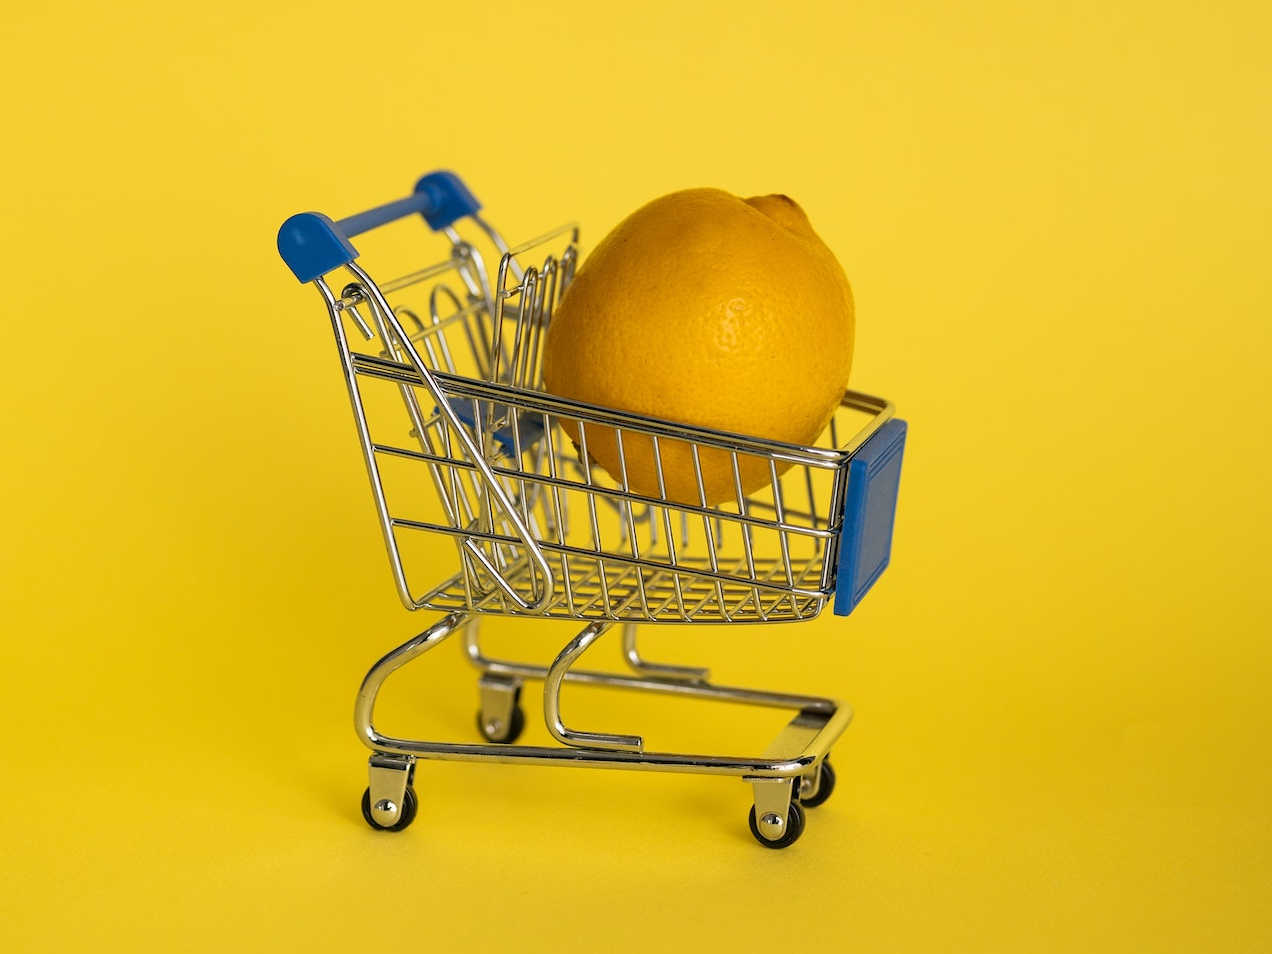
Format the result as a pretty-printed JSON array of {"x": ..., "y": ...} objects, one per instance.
[
  {"x": 865, "y": 543},
  {"x": 312, "y": 244}
]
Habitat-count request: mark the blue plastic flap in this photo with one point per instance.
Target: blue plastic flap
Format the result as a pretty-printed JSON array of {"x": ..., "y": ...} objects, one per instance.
[
  {"x": 312, "y": 244},
  {"x": 529, "y": 426},
  {"x": 865, "y": 543}
]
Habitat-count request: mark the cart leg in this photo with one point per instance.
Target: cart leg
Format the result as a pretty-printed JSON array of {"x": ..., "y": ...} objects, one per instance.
[
  {"x": 501, "y": 717},
  {"x": 552, "y": 698},
  {"x": 809, "y": 783},
  {"x": 389, "y": 802},
  {"x": 364, "y": 708},
  {"x": 657, "y": 670},
  {"x": 816, "y": 785},
  {"x": 776, "y": 818}
]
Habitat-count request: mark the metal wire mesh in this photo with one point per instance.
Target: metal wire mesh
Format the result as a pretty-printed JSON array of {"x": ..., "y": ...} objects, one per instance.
[{"x": 593, "y": 547}]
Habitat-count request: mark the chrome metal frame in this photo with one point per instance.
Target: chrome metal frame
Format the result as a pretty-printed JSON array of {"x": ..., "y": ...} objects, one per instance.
[
  {"x": 511, "y": 489},
  {"x": 794, "y": 756}
]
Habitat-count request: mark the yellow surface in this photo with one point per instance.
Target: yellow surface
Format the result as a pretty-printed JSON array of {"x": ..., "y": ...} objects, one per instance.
[{"x": 1056, "y": 223}]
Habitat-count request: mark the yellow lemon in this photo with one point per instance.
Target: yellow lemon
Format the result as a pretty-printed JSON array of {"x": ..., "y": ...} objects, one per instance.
[{"x": 708, "y": 309}]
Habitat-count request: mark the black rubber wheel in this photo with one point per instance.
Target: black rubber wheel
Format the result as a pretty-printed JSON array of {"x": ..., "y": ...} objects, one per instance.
[
  {"x": 405, "y": 817},
  {"x": 794, "y": 828},
  {"x": 825, "y": 785},
  {"x": 514, "y": 729}
]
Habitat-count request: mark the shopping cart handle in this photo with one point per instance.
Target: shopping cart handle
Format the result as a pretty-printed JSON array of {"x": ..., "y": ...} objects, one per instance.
[
  {"x": 865, "y": 542},
  {"x": 312, "y": 244}
]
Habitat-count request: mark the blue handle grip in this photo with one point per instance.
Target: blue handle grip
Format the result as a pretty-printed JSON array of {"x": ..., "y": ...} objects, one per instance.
[{"x": 312, "y": 244}]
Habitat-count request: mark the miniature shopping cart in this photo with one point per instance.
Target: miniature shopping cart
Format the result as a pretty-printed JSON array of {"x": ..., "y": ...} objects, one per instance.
[{"x": 461, "y": 443}]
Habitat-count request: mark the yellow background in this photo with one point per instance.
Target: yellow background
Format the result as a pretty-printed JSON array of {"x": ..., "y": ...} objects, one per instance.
[{"x": 1056, "y": 220}]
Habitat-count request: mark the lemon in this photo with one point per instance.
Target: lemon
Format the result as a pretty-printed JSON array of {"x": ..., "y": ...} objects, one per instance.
[{"x": 708, "y": 309}]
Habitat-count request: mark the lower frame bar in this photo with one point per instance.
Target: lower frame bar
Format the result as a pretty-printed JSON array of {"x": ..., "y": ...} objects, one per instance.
[
  {"x": 817, "y": 725},
  {"x": 762, "y": 767}
]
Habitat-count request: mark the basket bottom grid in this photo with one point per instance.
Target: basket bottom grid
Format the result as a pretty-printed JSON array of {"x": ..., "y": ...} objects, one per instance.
[{"x": 609, "y": 589}]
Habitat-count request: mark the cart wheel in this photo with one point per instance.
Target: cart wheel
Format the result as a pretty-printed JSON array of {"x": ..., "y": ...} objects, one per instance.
[
  {"x": 794, "y": 828},
  {"x": 825, "y": 785},
  {"x": 510, "y": 733},
  {"x": 405, "y": 817}
]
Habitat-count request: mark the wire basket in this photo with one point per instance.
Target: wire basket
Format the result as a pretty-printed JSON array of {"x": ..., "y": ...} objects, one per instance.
[{"x": 540, "y": 529}]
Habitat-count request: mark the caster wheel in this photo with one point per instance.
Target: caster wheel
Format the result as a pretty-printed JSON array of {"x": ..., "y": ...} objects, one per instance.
[
  {"x": 794, "y": 828},
  {"x": 511, "y": 732},
  {"x": 405, "y": 817},
  {"x": 825, "y": 785}
]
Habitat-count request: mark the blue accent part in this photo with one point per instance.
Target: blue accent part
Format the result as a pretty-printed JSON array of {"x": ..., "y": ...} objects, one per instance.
[
  {"x": 312, "y": 245},
  {"x": 865, "y": 544},
  {"x": 384, "y": 214},
  {"x": 449, "y": 199},
  {"x": 530, "y": 426}
]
